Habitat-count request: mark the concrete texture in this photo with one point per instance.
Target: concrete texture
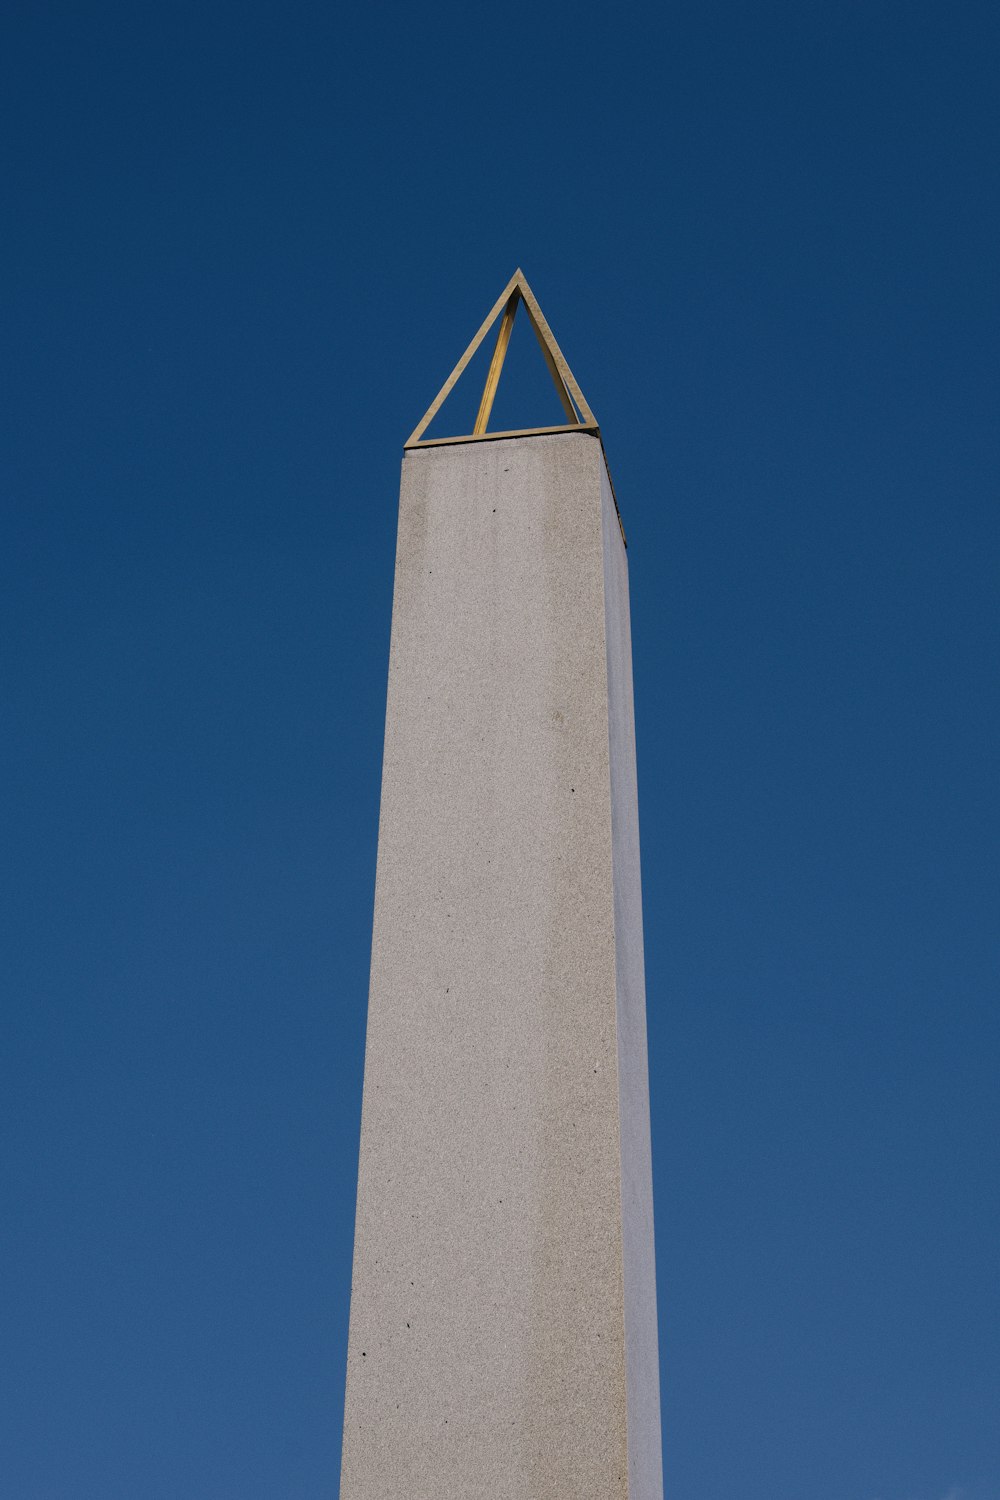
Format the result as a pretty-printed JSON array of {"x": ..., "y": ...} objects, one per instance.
[{"x": 503, "y": 1311}]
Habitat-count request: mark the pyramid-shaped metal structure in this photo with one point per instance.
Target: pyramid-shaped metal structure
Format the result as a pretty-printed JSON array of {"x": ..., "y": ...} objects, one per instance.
[{"x": 579, "y": 417}]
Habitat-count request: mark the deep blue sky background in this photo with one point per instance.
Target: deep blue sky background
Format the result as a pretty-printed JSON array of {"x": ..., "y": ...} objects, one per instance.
[{"x": 242, "y": 247}]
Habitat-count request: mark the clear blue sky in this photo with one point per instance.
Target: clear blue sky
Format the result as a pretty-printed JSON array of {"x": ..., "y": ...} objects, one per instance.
[{"x": 242, "y": 247}]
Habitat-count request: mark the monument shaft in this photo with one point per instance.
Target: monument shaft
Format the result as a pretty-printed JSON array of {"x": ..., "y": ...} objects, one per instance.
[{"x": 503, "y": 1312}]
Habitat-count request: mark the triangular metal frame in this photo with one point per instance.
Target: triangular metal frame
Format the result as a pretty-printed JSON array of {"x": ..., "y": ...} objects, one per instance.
[{"x": 581, "y": 418}]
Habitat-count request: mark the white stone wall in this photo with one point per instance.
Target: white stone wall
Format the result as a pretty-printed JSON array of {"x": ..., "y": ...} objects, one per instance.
[{"x": 502, "y": 1340}]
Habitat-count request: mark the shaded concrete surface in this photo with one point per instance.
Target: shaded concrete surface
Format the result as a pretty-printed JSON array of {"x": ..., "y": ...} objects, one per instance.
[{"x": 503, "y": 1314}]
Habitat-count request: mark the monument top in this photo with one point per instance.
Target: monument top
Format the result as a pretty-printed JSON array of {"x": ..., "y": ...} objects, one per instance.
[{"x": 579, "y": 417}]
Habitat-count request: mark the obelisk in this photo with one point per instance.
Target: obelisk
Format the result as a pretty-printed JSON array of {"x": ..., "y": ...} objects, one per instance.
[{"x": 503, "y": 1340}]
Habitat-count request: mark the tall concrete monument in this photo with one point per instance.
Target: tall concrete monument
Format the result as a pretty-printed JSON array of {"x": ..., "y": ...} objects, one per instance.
[{"x": 503, "y": 1308}]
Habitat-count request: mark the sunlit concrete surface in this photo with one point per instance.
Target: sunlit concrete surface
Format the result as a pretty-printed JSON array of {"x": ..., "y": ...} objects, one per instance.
[{"x": 503, "y": 1314}]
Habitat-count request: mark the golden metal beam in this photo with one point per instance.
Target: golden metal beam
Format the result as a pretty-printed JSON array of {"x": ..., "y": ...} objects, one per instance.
[
  {"x": 553, "y": 355},
  {"x": 449, "y": 384},
  {"x": 496, "y": 363},
  {"x": 514, "y": 432},
  {"x": 557, "y": 380}
]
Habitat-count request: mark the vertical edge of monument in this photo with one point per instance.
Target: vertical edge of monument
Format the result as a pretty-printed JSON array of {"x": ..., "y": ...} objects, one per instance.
[{"x": 641, "y": 1344}]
